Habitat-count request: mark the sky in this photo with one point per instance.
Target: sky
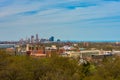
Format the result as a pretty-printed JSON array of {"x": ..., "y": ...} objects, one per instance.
[{"x": 81, "y": 20}]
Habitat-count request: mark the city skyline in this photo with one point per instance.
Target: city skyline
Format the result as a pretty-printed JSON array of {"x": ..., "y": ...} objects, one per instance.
[{"x": 91, "y": 20}]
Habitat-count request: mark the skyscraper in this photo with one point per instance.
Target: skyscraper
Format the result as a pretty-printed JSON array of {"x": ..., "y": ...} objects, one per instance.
[
  {"x": 37, "y": 38},
  {"x": 51, "y": 38},
  {"x": 32, "y": 39}
]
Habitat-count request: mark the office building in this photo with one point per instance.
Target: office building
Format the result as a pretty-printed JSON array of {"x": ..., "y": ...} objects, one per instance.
[
  {"x": 37, "y": 38},
  {"x": 51, "y": 38},
  {"x": 32, "y": 39}
]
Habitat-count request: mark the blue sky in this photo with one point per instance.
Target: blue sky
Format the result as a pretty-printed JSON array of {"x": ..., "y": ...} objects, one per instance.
[{"x": 81, "y": 20}]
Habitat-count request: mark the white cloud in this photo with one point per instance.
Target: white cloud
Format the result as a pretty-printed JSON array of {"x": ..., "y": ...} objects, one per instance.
[{"x": 49, "y": 17}]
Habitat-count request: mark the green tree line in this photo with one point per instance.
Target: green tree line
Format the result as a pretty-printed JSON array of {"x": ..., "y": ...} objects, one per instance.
[{"x": 56, "y": 68}]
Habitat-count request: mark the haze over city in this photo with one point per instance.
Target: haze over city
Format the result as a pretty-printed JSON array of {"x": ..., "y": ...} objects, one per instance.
[{"x": 81, "y": 20}]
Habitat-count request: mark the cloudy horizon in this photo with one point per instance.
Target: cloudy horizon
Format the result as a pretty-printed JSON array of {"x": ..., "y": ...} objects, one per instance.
[{"x": 65, "y": 19}]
